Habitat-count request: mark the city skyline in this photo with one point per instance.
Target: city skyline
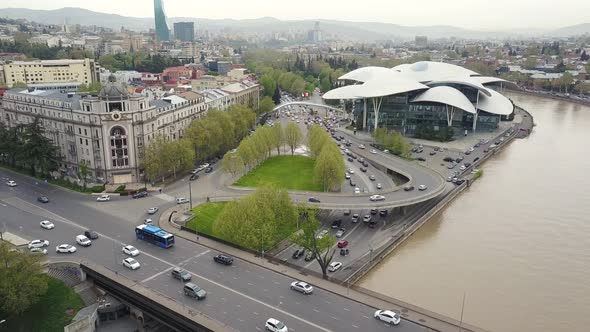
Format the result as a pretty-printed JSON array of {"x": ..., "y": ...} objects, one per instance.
[{"x": 506, "y": 15}]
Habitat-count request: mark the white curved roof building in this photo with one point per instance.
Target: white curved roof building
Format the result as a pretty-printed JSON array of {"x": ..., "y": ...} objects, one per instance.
[{"x": 424, "y": 93}]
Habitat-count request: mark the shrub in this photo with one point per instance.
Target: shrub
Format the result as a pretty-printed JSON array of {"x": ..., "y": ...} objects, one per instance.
[{"x": 120, "y": 188}]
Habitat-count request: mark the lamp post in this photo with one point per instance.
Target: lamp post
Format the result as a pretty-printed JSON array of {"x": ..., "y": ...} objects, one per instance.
[{"x": 190, "y": 194}]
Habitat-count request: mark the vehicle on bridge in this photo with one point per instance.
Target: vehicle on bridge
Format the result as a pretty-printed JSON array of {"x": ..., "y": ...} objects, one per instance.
[{"x": 154, "y": 235}]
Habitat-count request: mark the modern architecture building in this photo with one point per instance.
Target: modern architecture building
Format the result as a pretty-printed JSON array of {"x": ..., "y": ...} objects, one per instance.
[
  {"x": 223, "y": 67},
  {"x": 315, "y": 35},
  {"x": 162, "y": 30},
  {"x": 184, "y": 31},
  {"x": 425, "y": 94},
  {"x": 66, "y": 72}
]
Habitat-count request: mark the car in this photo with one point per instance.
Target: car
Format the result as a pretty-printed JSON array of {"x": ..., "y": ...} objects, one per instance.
[
  {"x": 148, "y": 221},
  {"x": 302, "y": 287},
  {"x": 336, "y": 223},
  {"x": 309, "y": 256},
  {"x": 352, "y": 183},
  {"x": 223, "y": 259},
  {"x": 140, "y": 194},
  {"x": 448, "y": 159},
  {"x": 357, "y": 190},
  {"x": 459, "y": 159},
  {"x": 350, "y": 159},
  {"x": 451, "y": 165},
  {"x": 103, "y": 198},
  {"x": 38, "y": 251},
  {"x": 373, "y": 211},
  {"x": 334, "y": 266},
  {"x": 91, "y": 234},
  {"x": 462, "y": 167},
  {"x": 375, "y": 198},
  {"x": 379, "y": 186},
  {"x": 367, "y": 218},
  {"x": 344, "y": 252},
  {"x": 409, "y": 188},
  {"x": 347, "y": 177},
  {"x": 364, "y": 170},
  {"x": 355, "y": 218},
  {"x": 322, "y": 234},
  {"x": 347, "y": 212},
  {"x": 354, "y": 156},
  {"x": 43, "y": 199},
  {"x": 421, "y": 159},
  {"x": 501, "y": 139},
  {"x": 181, "y": 200},
  {"x": 475, "y": 159},
  {"x": 194, "y": 177},
  {"x": 361, "y": 146},
  {"x": 65, "y": 248},
  {"x": 11, "y": 183},
  {"x": 372, "y": 177},
  {"x": 342, "y": 243},
  {"x": 47, "y": 224},
  {"x": 181, "y": 274},
  {"x": 131, "y": 263},
  {"x": 493, "y": 146},
  {"x": 422, "y": 187},
  {"x": 38, "y": 244},
  {"x": 388, "y": 316},
  {"x": 152, "y": 210},
  {"x": 467, "y": 152},
  {"x": 275, "y": 325},
  {"x": 83, "y": 241},
  {"x": 340, "y": 232},
  {"x": 382, "y": 213},
  {"x": 313, "y": 200},
  {"x": 459, "y": 182},
  {"x": 432, "y": 153},
  {"x": 192, "y": 290},
  {"x": 373, "y": 151},
  {"x": 130, "y": 250},
  {"x": 298, "y": 253},
  {"x": 350, "y": 171},
  {"x": 497, "y": 142}
]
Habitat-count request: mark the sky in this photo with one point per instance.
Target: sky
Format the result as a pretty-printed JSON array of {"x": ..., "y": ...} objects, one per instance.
[{"x": 471, "y": 14}]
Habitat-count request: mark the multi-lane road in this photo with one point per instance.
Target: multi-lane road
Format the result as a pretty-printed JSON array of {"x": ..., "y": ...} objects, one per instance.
[{"x": 243, "y": 295}]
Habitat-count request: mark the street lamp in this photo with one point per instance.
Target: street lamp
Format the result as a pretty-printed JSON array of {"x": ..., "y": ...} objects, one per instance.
[{"x": 190, "y": 194}]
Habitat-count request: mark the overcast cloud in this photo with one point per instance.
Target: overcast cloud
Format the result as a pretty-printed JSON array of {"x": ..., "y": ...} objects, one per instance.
[{"x": 473, "y": 14}]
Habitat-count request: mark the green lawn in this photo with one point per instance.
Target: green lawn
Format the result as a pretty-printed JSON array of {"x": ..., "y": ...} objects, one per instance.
[
  {"x": 285, "y": 172},
  {"x": 49, "y": 314},
  {"x": 206, "y": 215}
]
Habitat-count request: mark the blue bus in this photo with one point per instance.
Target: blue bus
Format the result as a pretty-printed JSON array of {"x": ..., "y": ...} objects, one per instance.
[{"x": 155, "y": 235}]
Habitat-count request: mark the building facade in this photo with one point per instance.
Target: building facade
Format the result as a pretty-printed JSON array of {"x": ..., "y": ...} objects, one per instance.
[
  {"x": 162, "y": 30},
  {"x": 108, "y": 131},
  {"x": 184, "y": 31},
  {"x": 51, "y": 71}
]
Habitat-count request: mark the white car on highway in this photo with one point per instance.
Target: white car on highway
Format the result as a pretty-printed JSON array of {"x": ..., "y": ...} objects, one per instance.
[
  {"x": 302, "y": 287},
  {"x": 334, "y": 266},
  {"x": 152, "y": 210},
  {"x": 362, "y": 146},
  {"x": 130, "y": 250},
  {"x": 422, "y": 187},
  {"x": 65, "y": 248},
  {"x": 131, "y": 263},
  {"x": 38, "y": 244},
  {"x": 104, "y": 198},
  {"x": 388, "y": 316},
  {"x": 379, "y": 186},
  {"x": 377, "y": 198},
  {"x": 181, "y": 200},
  {"x": 357, "y": 190},
  {"x": 275, "y": 325},
  {"x": 373, "y": 151},
  {"x": 11, "y": 183},
  {"x": 47, "y": 224}
]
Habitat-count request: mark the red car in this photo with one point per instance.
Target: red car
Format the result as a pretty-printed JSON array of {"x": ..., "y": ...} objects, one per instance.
[{"x": 342, "y": 244}]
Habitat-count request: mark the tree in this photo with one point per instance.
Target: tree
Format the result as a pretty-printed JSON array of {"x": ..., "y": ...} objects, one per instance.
[
  {"x": 179, "y": 155},
  {"x": 20, "y": 85},
  {"x": 278, "y": 136},
  {"x": 306, "y": 237},
  {"x": 22, "y": 282},
  {"x": 266, "y": 105},
  {"x": 38, "y": 153},
  {"x": 269, "y": 84},
  {"x": 154, "y": 161},
  {"x": 233, "y": 164},
  {"x": 293, "y": 136},
  {"x": 329, "y": 168},
  {"x": 276, "y": 97},
  {"x": 83, "y": 170}
]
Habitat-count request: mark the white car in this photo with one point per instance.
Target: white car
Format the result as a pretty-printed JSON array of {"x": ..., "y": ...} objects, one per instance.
[
  {"x": 104, "y": 198},
  {"x": 275, "y": 325},
  {"x": 388, "y": 316},
  {"x": 65, "y": 248},
  {"x": 83, "y": 240},
  {"x": 375, "y": 198},
  {"x": 148, "y": 221},
  {"x": 322, "y": 234},
  {"x": 181, "y": 200},
  {"x": 350, "y": 171},
  {"x": 347, "y": 176},
  {"x": 130, "y": 250},
  {"x": 379, "y": 186},
  {"x": 47, "y": 224},
  {"x": 39, "y": 251},
  {"x": 422, "y": 187},
  {"x": 334, "y": 266},
  {"x": 357, "y": 190},
  {"x": 38, "y": 244},
  {"x": 11, "y": 183},
  {"x": 131, "y": 263},
  {"x": 302, "y": 287},
  {"x": 362, "y": 146},
  {"x": 152, "y": 210},
  {"x": 373, "y": 151}
]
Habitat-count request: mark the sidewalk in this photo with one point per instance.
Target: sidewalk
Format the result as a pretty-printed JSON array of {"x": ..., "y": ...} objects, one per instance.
[{"x": 415, "y": 314}]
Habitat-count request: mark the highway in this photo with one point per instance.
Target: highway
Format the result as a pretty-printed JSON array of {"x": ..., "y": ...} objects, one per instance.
[{"x": 243, "y": 295}]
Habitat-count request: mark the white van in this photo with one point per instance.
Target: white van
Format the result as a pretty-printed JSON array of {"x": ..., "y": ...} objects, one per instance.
[
  {"x": 181, "y": 200},
  {"x": 83, "y": 240}
]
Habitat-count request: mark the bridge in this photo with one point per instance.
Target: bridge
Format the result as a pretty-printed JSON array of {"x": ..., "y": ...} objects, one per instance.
[{"x": 306, "y": 103}]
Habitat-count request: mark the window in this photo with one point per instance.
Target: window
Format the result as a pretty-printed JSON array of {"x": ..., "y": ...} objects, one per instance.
[
  {"x": 80, "y": 140},
  {"x": 79, "y": 130},
  {"x": 86, "y": 142},
  {"x": 85, "y": 132},
  {"x": 119, "y": 154}
]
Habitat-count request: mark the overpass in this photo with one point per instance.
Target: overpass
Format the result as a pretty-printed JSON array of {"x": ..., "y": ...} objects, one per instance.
[{"x": 306, "y": 103}]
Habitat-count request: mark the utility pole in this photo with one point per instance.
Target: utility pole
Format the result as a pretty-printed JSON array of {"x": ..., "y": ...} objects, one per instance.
[
  {"x": 190, "y": 194},
  {"x": 462, "y": 309}
]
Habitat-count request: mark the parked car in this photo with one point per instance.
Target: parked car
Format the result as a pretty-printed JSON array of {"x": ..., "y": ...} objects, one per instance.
[
  {"x": 421, "y": 159},
  {"x": 209, "y": 169},
  {"x": 372, "y": 177},
  {"x": 355, "y": 218},
  {"x": 448, "y": 159},
  {"x": 361, "y": 146},
  {"x": 195, "y": 291},
  {"x": 104, "y": 198},
  {"x": 347, "y": 177},
  {"x": 379, "y": 186},
  {"x": 322, "y": 234},
  {"x": 194, "y": 177},
  {"x": 302, "y": 287},
  {"x": 223, "y": 259},
  {"x": 65, "y": 248},
  {"x": 298, "y": 253},
  {"x": 43, "y": 199},
  {"x": 131, "y": 263},
  {"x": 140, "y": 194},
  {"x": 422, "y": 187},
  {"x": 388, "y": 316},
  {"x": 181, "y": 274},
  {"x": 340, "y": 232},
  {"x": 334, "y": 266},
  {"x": 357, "y": 190},
  {"x": 336, "y": 223},
  {"x": 342, "y": 243},
  {"x": 313, "y": 200},
  {"x": 309, "y": 256},
  {"x": 275, "y": 325},
  {"x": 373, "y": 211},
  {"x": 46, "y": 224},
  {"x": 350, "y": 159},
  {"x": 409, "y": 187},
  {"x": 11, "y": 183},
  {"x": 38, "y": 244},
  {"x": 130, "y": 250},
  {"x": 41, "y": 251},
  {"x": 152, "y": 210},
  {"x": 347, "y": 212},
  {"x": 383, "y": 213},
  {"x": 373, "y": 151},
  {"x": 344, "y": 252}
]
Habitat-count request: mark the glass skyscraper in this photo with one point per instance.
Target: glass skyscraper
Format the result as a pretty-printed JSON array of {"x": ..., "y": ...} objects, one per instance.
[{"x": 162, "y": 31}]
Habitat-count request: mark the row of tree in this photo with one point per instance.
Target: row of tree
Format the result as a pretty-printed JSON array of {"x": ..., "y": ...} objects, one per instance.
[
  {"x": 329, "y": 166},
  {"x": 393, "y": 141},
  {"x": 256, "y": 148},
  {"x": 41, "y": 51},
  {"x": 163, "y": 157},
  {"x": 138, "y": 61}
]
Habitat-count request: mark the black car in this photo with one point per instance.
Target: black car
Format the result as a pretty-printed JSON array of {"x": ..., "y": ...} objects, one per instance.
[
  {"x": 43, "y": 199},
  {"x": 366, "y": 163},
  {"x": 352, "y": 183},
  {"x": 497, "y": 142},
  {"x": 224, "y": 259},
  {"x": 350, "y": 159},
  {"x": 193, "y": 177},
  {"x": 140, "y": 194},
  {"x": 298, "y": 253},
  {"x": 459, "y": 182},
  {"x": 208, "y": 169},
  {"x": 354, "y": 156},
  {"x": 432, "y": 153},
  {"x": 91, "y": 234},
  {"x": 344, "y": 252},
  {"x": 372, "y": 224},
  {"x": 476, "y": 159},
  {"x": 448, "y": 159},
  {"x": 373, "y": 211},
  {"x": 458, "y": 160},
  {"x": 364, "y": 170},
  {"x": 336, "y": 223},
  {"x": 313, "y": 200},
  {"x": 382, "y": 213},
  {"x": 467, "y": 165},
  {"x": 421, "y": 158}
]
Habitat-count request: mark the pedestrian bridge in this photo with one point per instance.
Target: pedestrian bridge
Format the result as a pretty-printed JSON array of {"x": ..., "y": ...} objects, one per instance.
[{"x": 306, "y": 103}]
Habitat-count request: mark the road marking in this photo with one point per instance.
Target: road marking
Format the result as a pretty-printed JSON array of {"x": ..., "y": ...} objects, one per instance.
[
  {"x": 335, "y": 318},
  {"x": 156, "y": 275},
  {"x": 259, "y": 329},
  {"x": 255, "y": 313},
  {"x": 367, "y": 317},
  {"x": 356, "y": 327},
  {"x": 250, "y": 284},
  {"x": 276, "y": 283},
  {"x": 316, "y": 310},
  {"x": 346, "y": 309}
]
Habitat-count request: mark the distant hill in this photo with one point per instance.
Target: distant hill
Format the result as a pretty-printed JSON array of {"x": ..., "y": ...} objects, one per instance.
[{"x": 368, "y": 31}]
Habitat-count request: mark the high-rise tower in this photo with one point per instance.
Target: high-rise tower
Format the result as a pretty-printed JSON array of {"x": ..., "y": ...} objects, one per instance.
[{"x": 162, "y": 30}]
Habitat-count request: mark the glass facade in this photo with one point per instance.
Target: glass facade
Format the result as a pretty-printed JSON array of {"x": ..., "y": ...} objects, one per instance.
[{"x": 162, "y": 30}]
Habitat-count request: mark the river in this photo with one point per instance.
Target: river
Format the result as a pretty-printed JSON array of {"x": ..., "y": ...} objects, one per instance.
[{"x": 517, "y": 243}]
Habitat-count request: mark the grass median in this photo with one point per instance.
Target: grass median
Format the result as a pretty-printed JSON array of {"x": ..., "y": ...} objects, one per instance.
[
  {"x": 205, "y": 216},
  {"x": 284, "y": 172}
]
